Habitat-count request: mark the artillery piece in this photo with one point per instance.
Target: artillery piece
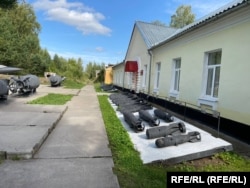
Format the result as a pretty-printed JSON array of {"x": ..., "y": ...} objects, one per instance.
[
  {"x": 55, "y": 80},
  {"x": 163, "y": 115},
  {"x": 133, "y": 122},
  {"x": 4, "y": 88},
  {"x": 178, "y": 139},
  {"x": 146, "y": 116},
  {"x": 162, "y": 131},
  {"x": 24, "y": 84}
]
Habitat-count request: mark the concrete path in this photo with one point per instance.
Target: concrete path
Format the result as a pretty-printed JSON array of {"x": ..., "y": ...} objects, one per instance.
[{"x": 74, "y": 155}]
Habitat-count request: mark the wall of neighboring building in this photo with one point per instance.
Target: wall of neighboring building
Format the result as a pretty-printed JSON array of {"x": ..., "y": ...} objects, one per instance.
[
  {"x": 118, "y": 74},
  {"x": 108, "y": 79},
  {"x": 228, "y": 35}
]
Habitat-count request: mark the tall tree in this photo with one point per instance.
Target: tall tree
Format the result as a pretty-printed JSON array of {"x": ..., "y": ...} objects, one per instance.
[
  {"x": 182, "y": 17},
  {"x": 157, "y": 22},
  {"x": 19, "y": 41}
]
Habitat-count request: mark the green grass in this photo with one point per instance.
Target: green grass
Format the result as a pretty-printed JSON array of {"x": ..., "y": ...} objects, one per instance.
[
  {"x": 52, "y": 99},
  {"x": 128, "y": 166},
  {"x": 130, "y": 170},
  {"x": 71, "y": 84},
  {"x": 97, "y": 87}
]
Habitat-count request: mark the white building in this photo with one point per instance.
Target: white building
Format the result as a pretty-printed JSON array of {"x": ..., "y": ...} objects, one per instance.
[{"x": 204, "y": 66}]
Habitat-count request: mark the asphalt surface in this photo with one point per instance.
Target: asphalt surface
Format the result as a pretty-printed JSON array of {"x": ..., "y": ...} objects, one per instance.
[{"x": 59, "y": 146}]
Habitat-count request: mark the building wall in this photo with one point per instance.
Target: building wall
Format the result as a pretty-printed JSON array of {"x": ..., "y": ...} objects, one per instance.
[
  {"x": 108, "y": 79},
  {"x": 137, "y": 51},
  {"x": 118, "y": 74},
  {"x": 229, "y": 34}
]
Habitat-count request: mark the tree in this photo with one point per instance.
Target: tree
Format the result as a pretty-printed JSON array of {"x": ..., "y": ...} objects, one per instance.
[
  {"x": 19, "y": 41},
  {"x": 157, "y": 22},
  {"x": 182, "y": 17}
]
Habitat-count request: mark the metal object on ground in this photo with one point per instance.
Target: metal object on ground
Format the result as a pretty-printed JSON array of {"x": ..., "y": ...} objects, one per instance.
[
  {"x": 108, "y": 87},
  {"x": 162, "y": 131},
  {"x": 133, "y": 122},
  {"x": 129, "y": 102},
  {"x": 56, "y": 80},
  {"x": 178, "y": 139},
  {"x": 146, "y": 116},
  {"x": 4, "y": 88},
  {"x": 24, "y": 84},
  {"x": 163, "y": 115}
]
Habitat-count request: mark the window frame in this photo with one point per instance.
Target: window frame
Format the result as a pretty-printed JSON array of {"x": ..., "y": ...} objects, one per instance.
[
  {"x": 176, "y": 71},
  {"x": 210, "y": 99},
  {"x": 157, "y": 77}
]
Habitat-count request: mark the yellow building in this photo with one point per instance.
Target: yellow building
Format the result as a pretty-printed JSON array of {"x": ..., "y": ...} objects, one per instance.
[{"x": 108, "y": 78}]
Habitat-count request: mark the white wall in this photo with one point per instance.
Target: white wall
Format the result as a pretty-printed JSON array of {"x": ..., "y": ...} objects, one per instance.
[
  {"x": 231, "y": 34},
  {"x": 137, "y": 51}
]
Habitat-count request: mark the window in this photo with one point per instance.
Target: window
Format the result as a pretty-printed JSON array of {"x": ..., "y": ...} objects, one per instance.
[
  {"x": 211, "y": 79},
  {"x": 157, "y": 76},
  {"x": 177, "y": 73},
  {"x": 175, "y": 81},
  {"x": 145, "y": 72},
  {"x": 213, "y": 74}
]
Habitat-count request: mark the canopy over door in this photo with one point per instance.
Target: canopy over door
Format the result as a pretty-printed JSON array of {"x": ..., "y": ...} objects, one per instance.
[{"x": 131, "y": 66}]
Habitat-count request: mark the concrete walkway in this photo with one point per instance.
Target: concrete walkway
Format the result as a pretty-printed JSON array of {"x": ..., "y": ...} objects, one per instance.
[{"x": 74, "y": 155}]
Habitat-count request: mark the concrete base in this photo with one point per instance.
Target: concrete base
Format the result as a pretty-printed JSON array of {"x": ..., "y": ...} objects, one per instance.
[{"x": 150, "y": 153}]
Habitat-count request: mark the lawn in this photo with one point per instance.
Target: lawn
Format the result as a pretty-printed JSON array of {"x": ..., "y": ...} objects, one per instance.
[{"x": 52, "y": 99}]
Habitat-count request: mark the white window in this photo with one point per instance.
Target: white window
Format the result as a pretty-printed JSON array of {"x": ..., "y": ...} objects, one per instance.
[
  {"x": 213, "y": 74},
  {"x": 211, "y": 79},
  {"x": 176, "y": 72},
  {"x": 145, "y": 74},
  {"x": 157, "y": 76}
]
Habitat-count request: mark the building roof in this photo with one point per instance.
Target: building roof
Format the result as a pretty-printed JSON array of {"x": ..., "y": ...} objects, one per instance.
[
  {"x": 152, "y": 33},
  {"x": 209, "y": 17}
]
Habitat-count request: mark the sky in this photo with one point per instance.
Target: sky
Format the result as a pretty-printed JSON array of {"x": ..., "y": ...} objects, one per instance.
[{"x": 100, "y": 30}]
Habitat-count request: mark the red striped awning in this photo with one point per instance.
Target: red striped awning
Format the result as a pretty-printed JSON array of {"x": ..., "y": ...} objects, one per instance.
[{"x": 131, "y": 66}]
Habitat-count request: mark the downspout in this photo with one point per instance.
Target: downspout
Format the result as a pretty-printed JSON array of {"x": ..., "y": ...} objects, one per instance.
[{"x": 149, "y": 75}]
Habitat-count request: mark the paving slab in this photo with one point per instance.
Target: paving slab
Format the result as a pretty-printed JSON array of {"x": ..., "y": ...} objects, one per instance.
[
  {"x": 24, "y": 127},
  {"x": 58, "y": 173},
  {"x": 75, "y": 154},
  {"x": 76, "y": 137},
  {"x": 150, "y": 153},
  {"x": 22, "y": 133}
]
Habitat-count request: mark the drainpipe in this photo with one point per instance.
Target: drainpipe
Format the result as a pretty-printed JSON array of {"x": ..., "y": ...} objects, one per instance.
[{"x": 149, "y": 71}]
